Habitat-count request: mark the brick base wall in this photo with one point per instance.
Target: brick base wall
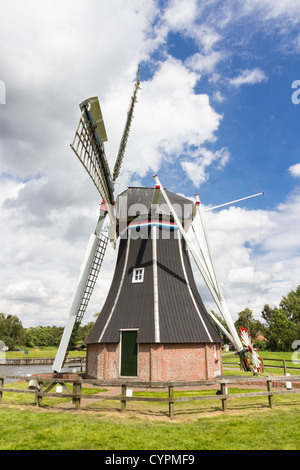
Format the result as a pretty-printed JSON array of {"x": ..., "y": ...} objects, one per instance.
[{"x": 157, "y": 362}]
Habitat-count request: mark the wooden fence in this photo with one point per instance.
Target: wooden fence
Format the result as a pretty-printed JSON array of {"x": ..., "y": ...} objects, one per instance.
[
  {"x": 79, "y": 361},
  {"x": 282, "y": 364},
  {"x": 39, "y": 391}
]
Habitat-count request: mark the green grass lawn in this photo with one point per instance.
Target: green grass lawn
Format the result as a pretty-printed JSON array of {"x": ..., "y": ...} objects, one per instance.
[
  {"x": 40, "y": 430},
  {"x": 40, "y": 353},
  {"x": 249, "y": 424}
]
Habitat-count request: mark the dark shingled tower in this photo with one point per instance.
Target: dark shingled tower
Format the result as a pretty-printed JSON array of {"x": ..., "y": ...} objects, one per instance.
[{"x": 153, "y": 307}]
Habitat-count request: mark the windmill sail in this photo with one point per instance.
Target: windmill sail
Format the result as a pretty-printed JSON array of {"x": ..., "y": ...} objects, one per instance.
[
  {"x": 99, "y": 252},
  {"x": 85, "y": 285},
  {"x": 208, "y": 273},
  {"x": 88, "y": 147},
  {"x": 126, "y": 131}
]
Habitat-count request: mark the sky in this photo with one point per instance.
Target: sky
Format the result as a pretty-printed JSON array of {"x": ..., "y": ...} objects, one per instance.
[{"x": 218, "y": 114}]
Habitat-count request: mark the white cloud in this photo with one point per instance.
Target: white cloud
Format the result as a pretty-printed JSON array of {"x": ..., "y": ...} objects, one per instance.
[
  {"x": 204, "y": 63},
  {"x": 41, "y": 260},
  {"x": 170, "y": 118},
  {"x": 295, "y": 170},
  {"x": 197, "y": 170},
  {"x": 180, "y": 14},
  {"x": 256, "y": 253},
  {"x": 26, "y": 291},
  {"x": 244, "y": 277},
  {"x": 297, "y": 43},
  {"x": 248, "y": 77},
  {"x": 186, "y": 17},
  {"x": 218, "y": 97},
  {"x": 289, "y": 9}
]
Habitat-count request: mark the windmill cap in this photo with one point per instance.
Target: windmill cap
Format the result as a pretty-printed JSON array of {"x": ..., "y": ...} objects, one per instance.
[{"x": 138, "y": 200}]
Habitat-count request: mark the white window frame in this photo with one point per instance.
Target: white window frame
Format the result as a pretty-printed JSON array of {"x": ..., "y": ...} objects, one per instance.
[{"x": 138, "y": 275}]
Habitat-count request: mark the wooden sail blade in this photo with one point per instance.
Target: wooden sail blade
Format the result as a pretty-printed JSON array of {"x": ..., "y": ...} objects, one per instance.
[
  {"x": 126, "y": 131},
  {"x": 88, "y": 147},
  {"x": 85, "y": 285},
  {"x": 219, "y": 300}
]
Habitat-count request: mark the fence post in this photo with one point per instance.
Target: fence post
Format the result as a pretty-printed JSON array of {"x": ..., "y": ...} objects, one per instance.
[
  {"x": 224, "y": 400},
  {"x": 171, "y": 403},
  {"x": 284, "y": 366},
  {"x": 123, "y": 402},
  {"x": 1, "y": 388},
  {"x": 39, "y": 391},
  {"x": 271, "y": 396},
  {"x": 77, "y": 391}
]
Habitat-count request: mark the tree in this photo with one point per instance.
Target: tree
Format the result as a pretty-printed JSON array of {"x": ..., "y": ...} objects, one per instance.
[
  {"x": 31, "y": 340},
  {"x": 83, "y": 331},
  {"x": 223, "y": 336},
  {"x": 291, "y": 305},
  {"x": 282, "y": 332},
  {"x": 283, "y": 322},
  {"x": 12, "y": 332},
  {"x": 43, "y": 336},
  {"x": 267, "y": 313},
  {"x": 246, "y": 320}
]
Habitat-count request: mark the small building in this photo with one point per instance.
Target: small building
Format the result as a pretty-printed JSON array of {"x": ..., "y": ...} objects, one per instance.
[{"x": 260, "y": 337}]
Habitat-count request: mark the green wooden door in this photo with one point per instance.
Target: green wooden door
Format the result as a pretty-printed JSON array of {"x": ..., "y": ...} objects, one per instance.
[{"x": 129, "y": 353}]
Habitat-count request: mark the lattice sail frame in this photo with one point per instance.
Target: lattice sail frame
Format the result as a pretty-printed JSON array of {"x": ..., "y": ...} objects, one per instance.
[
  {"x": 93, "y": 275},
  {"x": 125, "y": 136},
  {"x": 89, "y": 149},
  {"x": 88, "y": 154}
]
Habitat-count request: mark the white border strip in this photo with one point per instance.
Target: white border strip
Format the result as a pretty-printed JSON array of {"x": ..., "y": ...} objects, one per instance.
[{"x": 155, "y": 285}]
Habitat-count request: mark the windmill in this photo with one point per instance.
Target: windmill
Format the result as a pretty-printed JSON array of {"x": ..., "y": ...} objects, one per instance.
[{"x": 153, "y": 307}]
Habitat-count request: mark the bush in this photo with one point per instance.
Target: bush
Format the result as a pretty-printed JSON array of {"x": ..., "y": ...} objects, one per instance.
[{"x": 261, "y": 345}]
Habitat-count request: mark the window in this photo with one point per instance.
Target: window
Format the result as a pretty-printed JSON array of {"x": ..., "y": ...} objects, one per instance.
[{"x": 138, "y": 275}]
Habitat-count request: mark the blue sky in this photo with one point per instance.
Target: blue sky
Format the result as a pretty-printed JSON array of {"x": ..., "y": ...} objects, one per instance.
[
  {"x": 214, "y": 116},
  {"x": 260, "y": 122}
]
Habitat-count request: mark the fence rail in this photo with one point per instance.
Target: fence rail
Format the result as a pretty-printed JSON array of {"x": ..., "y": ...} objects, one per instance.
[
  {"x": 25, "y": 361},
  {"x": 39, "y": 391},
  {"x": 284, "y": 364}
]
